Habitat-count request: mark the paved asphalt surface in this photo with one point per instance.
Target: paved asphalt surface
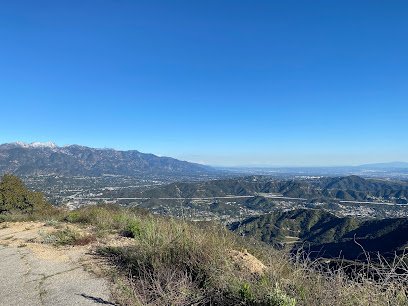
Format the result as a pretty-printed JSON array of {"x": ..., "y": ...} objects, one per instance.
[{"x": 29, "y": 280}]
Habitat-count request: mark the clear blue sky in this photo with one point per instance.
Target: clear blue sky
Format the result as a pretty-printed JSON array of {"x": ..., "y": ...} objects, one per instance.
[{"x": 219, "y": 82}]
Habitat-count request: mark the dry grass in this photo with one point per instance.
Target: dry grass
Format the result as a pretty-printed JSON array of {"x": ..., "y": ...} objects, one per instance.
[
  {"x": 314, "y": 282},
  {"x": 68, "y": 236},
  {"x": 180, "y": 263},
  {"x": 173, "y": 262}
]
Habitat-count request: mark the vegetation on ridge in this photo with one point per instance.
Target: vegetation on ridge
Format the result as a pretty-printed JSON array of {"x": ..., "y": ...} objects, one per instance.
[
  {"x": 327, "y": 235},
  {"x": 16, "y": 199},
  {"x": 348, "y": 188}
]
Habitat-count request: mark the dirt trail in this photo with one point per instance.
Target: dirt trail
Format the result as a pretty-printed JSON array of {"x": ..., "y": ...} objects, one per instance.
[{"x": 33, "y": 273}]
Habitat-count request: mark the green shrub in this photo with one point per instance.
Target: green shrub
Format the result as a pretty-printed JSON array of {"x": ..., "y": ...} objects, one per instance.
[
  {"x": 246, "y": 293},
  {"x": 104, "y": 216},
  {"x": 73, "y": 217},
  {"x": 16, "y": 199},
  {"x": 279, "y": 298},
  {"x": 133, "y": 229}
]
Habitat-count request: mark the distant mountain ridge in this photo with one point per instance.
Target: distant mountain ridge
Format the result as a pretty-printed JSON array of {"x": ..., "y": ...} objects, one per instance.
[
  {"x": 348, "y": 188},
  {"x": 74, "y": 160},
  {"x": 395, "y": 169},
  {"x": 390, "y": 165}
]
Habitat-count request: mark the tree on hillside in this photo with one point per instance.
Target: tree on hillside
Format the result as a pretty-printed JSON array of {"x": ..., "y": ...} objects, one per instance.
[{"x": 16, "y": 198}]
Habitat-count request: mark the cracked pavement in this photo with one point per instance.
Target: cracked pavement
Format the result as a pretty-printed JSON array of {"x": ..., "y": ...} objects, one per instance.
[{"x": 30, "y": 276}]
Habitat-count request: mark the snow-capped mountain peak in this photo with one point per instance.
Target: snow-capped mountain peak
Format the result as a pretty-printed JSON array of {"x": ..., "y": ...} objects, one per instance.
[
  {"x": 47, "y": 158},
  {"x": 47, "y": 144}
]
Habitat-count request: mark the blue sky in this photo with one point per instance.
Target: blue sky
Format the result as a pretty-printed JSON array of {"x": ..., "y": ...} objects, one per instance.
[{"x": 218, "y": 82}]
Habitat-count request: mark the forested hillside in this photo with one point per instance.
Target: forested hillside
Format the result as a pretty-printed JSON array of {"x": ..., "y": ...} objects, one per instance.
[
  {"x": 349, "y": 188},
  {"x": 325, "y": 235}
]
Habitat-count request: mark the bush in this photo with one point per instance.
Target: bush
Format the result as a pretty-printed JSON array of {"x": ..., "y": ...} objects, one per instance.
[
  {"x": 104, "y": 216},
  {"x": 279, "y": 298},
  {"x": 177, "y": 263},
  {"x": 16, "y": 199},
  {"x": 133, "y": 229}
]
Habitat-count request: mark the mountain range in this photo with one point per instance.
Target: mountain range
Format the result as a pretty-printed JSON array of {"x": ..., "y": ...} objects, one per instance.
[{"x": 75, "y": 160}]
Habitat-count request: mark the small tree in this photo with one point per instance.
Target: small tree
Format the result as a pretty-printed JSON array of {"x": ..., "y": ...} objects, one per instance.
[{"x": 16, "y": 198}]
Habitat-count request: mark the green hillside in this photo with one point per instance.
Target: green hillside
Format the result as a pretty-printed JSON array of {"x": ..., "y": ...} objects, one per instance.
[
  {"x": 349, "y": 188},
  {"x": 326, "y": 235}
]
